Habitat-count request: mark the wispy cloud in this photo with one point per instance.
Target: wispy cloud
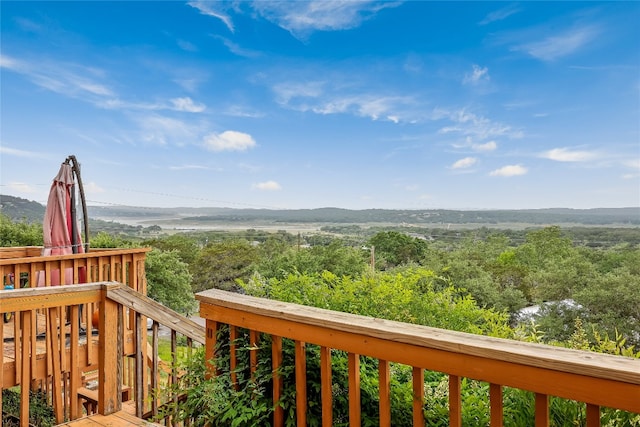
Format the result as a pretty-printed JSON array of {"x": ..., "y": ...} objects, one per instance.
[
  {"x": 476, "y": 76},
  {"x": 303, "y": 17},
  {"x": 236, "y": 49},
  {"x": 267, "y": 186},
  {"x": 509, "y": 170},
  {"x": 487, "y": 146},
  {"x": 187, "y": 167},
  {"x": 569, "y": 155},
  {"x": 213, "y": 9},
  {"x": 229, "y": 140},
  {"x": 162, "y": 130},
  {"x": 72, "y": 80},
  {"x": 20, "y": 187},
  {"x": 7, "y": 151},
  {"x": 500, "y": 14},
  {"x": 319, "y": 98},
  {"x": 560, "y": 44},
  {"x": 470, "y": 124},
  {"x": 464, "y": 163},
  {"x": 187, "y": 104}
]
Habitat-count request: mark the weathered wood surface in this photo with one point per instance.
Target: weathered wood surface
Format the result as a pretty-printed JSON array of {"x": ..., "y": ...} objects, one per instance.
[
  {"x": 117, "y": 419},
  {"x": 158, "y": 312}
]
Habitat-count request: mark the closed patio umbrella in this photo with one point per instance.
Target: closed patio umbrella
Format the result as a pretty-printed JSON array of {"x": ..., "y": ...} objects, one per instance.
[{"x": 60, "y": 231}]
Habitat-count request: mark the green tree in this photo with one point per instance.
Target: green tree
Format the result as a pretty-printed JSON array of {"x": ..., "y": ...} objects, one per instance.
[
  {"x": 19, "y": 233},
  {"x": 187, "y": 248},
  {"x": 169, "y": 281},
  {"x": 393, "y": 248},
  {"x": 220, "y": 265}
]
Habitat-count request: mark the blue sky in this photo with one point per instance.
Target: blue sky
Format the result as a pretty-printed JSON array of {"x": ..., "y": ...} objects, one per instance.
[{"x": 408, "y": 105}]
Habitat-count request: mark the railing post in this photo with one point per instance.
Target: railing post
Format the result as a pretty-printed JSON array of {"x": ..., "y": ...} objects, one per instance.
[
  {"x": 109, "y": 398},
  {"x": 455, "y": 401}
]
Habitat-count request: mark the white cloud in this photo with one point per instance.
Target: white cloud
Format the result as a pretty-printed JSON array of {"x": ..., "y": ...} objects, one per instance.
[
  {"x": 162, "y": 130},
  {"x": 207, "y": 8},
  {"x": 19, "y": 153},
  {"x": 267, "y": 186},
  {"x": 632, "y": 163},
  {"x": 510, "y": 170},
  {"x": 187, "y": 104},
  {"x": 477, "y": 76},
  {"x": 187, "y": 167},
  {"x": 568, "y": 155},
  {"x": 21, "y": 187},
  {"x": 229, "y": 141},
  {"x": 559, "y": 45},
  {"x": 473, "y": 125},
  {"x": 187, "y": 46},
  {"x": 302, "y": 17},
  {"x": 318, "y": 97},
  {"x": 92, "y": 188},
  {"x": 500, "y": 14},
  {"x": 236, "y": 49},
  {"x": 487, "y": 146},
  {"x": 464, "y": 163}
]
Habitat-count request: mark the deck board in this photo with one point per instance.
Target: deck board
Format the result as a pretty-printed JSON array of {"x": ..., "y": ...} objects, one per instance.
[{"x": 117, "y": 419}]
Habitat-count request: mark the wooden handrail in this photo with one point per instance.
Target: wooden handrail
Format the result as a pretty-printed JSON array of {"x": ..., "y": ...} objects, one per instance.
[
  {"x": 55, "y": 359},
  {"x": 152, "y": 309},
  {"x": 594, "y": 378}
]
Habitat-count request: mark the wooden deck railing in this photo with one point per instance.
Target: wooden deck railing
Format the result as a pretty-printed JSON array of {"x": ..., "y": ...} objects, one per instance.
[
  {"x": 598, "y": 380},
  {"x": 54, "y": 352}
]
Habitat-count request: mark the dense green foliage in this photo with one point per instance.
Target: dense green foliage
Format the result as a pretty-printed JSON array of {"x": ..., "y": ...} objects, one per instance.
[
  {"x": 20, "y": 233},
  {"x": 168, "y": 281}
]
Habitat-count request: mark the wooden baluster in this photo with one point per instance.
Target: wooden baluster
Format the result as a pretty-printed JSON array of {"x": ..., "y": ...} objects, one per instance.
[
  {"x": 233, "y": 357},
  {"x": 326, "y": 386},
  {"x": 276, "y": 360},
  {"x": 495, "y": 399},
  {"x": 384, "y": 393},
  {"x": 109, "y": 397},
  {"x": 154, "y": 368},
  {"x": 593, "y": 415},
  {"x": 74, "y": 361},
  {"x": 455, "y": 401},
  {"x": 542, "y": 410},
  {"x": 354, "y": 390},
  {"x": 418, "y": 396},
  {"x": 174, "y": 370},
  {"x": 25, "y": 371},
  {"x": 301, "y": 384},
  {"x": 254, "y": 341},
  {"x": 210, "y": 345},
  {"x": 56, "y": 332}
]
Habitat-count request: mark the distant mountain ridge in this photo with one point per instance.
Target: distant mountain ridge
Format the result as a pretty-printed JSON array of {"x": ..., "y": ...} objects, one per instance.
[{"x": 22, "y": 209}]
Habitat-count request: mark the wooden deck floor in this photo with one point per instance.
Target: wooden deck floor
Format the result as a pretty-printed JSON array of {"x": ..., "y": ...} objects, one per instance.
[{"x": 118, "y": 419}]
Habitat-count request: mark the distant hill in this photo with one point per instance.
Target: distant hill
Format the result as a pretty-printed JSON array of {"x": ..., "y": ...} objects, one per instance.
[
  {"x": 18, "y": 209},
  {"x": 22, "y": 209}
]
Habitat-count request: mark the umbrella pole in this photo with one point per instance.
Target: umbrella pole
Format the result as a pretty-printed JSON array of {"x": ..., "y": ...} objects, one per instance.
[{"x": 76, "y": 170}]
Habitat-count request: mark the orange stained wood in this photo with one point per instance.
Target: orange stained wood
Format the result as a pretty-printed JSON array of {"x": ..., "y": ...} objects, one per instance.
[
  {"x": 301, "y": 384},
  {"x": 455, "y": 401},
  {"x": 384, "y": 379},
  {"x": 542, "y": 410},
  {"x": 233, "y": 360},
  {"x": 276, "y": 361},
  {"x": 354, "y": 389},
  {"x": 326, "y": 389},
  {"x": 418, "y": 396},
  {"x": 117, "y": 419},
  {"x": 495, "y": 399},
  {"x": 599, "y": 379}
]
